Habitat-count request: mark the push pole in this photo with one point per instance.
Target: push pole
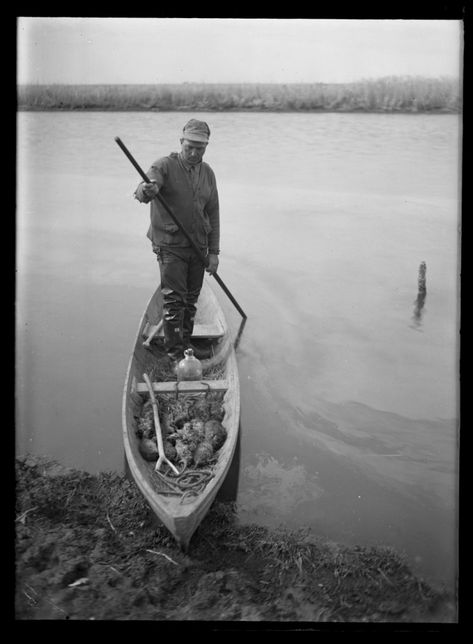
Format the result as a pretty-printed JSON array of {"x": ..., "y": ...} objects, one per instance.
[{"x": 184, "y": 231}]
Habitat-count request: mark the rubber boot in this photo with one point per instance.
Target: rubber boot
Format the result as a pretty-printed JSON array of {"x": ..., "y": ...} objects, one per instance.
[{"x": 173, "y": 343}]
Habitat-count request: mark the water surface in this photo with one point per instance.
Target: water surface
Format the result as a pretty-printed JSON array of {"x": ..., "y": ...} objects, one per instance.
[{"x": 349, "y": 418}]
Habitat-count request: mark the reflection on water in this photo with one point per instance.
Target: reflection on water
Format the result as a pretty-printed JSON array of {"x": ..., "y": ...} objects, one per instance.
[
  {"x": 229, "y": 489},
  {"x": 277, "y": 493},
  {"x": 418, "y": 309},
  {"x": 239, "y": 333},
  {"x": 421, "y": 295}
]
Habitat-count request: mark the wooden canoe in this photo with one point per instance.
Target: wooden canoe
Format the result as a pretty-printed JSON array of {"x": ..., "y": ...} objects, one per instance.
[{"x": 181, "y": 519}]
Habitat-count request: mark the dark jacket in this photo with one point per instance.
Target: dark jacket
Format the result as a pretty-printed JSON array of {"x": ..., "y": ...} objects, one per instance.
[{"x": 196, "y": 208}]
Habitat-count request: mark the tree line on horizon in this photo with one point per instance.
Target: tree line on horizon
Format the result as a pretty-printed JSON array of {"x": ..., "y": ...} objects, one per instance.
[{"x": 388, "y": 94}]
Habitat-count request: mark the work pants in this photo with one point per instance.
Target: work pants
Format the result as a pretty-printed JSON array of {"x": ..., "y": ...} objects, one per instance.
[{"x": 182, "y": 276}]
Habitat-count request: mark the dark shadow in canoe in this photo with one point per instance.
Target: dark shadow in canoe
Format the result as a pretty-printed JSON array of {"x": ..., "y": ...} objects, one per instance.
[{"x": 229, "y": 490}]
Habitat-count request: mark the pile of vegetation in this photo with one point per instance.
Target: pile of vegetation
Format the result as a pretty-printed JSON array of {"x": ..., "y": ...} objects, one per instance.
[
  {"x": 192, "y": 436},
  {"x": 389, "y": 94},
  {"x": 88, "y": 548}
]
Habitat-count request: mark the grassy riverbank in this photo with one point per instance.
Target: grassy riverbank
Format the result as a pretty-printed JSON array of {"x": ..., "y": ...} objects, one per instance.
[
  {"x": 391, "y": 94},
  {"x": 88, "y": 549}
]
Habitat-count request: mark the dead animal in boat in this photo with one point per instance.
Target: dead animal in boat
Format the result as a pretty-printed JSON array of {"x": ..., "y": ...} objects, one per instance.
[
  {"x": 203, "y": 454},
  {"x": 215, "y": 434}
]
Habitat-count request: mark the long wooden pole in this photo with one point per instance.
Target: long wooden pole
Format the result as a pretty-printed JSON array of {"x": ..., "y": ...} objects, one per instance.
[{"x": 177, "y": 222}]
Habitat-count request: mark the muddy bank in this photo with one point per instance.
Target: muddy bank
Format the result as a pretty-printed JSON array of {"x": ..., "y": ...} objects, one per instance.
[{"x": 87, "y": 548}]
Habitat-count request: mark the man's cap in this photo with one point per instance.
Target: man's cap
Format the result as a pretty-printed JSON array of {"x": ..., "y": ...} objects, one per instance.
[{"x": 196, "y": 130}]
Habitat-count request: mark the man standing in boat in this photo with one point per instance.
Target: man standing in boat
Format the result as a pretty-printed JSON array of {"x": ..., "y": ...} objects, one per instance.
[{"x": 189, "y": 187}]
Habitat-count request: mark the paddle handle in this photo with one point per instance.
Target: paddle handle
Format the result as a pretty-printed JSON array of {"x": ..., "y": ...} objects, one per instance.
[
  {"x": 131, "y": 158},
  {"x": 203, "y": 259},
  {"x": 155, "y": 331}
]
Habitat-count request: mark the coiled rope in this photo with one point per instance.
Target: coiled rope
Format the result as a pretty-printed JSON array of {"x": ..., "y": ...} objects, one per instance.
[{"x": 188, "y": 484}]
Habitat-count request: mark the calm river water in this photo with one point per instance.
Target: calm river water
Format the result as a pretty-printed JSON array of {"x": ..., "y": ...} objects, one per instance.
[{"x": 350, "y": 418}]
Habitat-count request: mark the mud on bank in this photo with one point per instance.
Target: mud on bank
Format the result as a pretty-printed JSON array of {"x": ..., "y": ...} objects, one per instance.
[{"x": 88, "y": 548}]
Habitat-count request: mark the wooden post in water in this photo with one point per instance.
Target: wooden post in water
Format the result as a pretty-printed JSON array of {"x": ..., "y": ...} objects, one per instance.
[
  {"x": 421, "y": 293},
  {"x": 421, "y": 281}
]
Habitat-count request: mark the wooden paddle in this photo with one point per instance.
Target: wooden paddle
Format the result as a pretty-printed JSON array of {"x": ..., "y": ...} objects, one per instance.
[
  {"x": 155, "y": 331},
  {"x": 161, "y": 455},
  {"x": 186, "y": 234}
]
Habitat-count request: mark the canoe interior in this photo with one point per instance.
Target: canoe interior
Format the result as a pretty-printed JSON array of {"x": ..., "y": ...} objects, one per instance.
[{"x": 181, "y": 519}]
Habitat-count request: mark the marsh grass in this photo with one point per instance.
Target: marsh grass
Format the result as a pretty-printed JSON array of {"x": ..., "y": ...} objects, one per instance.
[
  {"x": 336, "y": 580},
  {"x": 389, "y": 94}
]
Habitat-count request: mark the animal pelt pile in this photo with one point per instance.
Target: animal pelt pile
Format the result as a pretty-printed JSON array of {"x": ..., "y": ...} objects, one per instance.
[{"x": 191, "y": 427}]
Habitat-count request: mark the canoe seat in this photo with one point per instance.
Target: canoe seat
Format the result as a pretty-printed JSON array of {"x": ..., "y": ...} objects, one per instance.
[
  {"x": 209, "y": 331},
  {"x": 183, "y": 387}
]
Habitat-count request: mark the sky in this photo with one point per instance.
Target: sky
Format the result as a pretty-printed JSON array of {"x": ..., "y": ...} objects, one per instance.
[{"x": 202, "y": 50}]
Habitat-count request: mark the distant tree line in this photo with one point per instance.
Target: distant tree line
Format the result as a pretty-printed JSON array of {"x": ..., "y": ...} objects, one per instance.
[{"x": 389, "y": 94}]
